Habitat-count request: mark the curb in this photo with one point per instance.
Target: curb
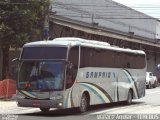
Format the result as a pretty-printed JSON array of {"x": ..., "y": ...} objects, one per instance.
[{"x": 13, "y": 98}]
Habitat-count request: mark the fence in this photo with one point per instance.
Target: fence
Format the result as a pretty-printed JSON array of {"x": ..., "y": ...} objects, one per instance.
[{"x": 7, "y": 88}]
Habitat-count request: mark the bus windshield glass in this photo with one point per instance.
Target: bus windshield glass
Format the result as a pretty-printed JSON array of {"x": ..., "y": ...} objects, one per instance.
[
  {"x": 34, "y": 53},
  {"x": 41, "y": 75}
]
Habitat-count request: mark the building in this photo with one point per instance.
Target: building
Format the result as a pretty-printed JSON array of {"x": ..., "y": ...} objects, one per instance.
[{"x": 106, "y": 20}]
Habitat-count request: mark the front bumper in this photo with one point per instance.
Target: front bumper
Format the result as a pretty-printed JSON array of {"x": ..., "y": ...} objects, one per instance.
[{"x": 36, "y": 103}]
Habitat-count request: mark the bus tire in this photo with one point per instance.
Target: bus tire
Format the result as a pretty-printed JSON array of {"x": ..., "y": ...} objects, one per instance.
[
  {"x": 44, "y": 109},
  {"x": 155, "y": 84},
  {"x": 149, "y": 86},
  {"x": 83, "y": 104},
  {"x": 129, "y": 98}
]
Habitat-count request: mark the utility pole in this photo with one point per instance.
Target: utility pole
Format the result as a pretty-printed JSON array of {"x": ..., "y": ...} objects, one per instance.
[{"x": 46, "y": 23}]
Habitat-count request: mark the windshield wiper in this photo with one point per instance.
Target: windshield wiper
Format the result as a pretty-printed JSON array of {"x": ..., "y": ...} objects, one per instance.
[{"x": 28, "y": 84}]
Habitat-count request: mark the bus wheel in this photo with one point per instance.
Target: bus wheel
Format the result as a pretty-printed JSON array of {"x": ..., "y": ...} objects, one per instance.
[
  {"x": 44, "y": 109},
  {"x": 129, "y": 98},
  {"x": 83, "y": 103},
  {"x": 149, "y": 86},
  {"x": 155, "y": 84}
]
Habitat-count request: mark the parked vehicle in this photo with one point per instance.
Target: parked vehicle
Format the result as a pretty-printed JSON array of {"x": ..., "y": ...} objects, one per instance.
[{"x": 151, "y": 81}]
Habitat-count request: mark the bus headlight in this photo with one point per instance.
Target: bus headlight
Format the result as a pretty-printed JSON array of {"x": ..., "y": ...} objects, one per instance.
[{"x": 60, "y": 104}]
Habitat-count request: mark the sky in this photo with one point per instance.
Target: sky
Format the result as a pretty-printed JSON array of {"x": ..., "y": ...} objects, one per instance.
[{"x": 149, "y": 7}]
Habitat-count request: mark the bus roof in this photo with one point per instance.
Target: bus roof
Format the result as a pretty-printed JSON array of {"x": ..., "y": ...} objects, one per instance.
[{"x": 73, "y": 41}]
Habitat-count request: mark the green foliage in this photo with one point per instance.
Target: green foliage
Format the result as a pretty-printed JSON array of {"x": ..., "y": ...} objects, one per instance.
[{"x": 21, "y": 21}]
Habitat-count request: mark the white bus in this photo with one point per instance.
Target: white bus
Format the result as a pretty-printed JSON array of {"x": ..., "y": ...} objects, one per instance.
[{"x": 74, "y": 72}]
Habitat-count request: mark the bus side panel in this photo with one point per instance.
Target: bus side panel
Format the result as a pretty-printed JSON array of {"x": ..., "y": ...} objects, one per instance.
[
  {"x": 131, "y": 79},
  {"x": 113, "y": 86},
  {"x": 100, "y": 82},
  {"x": 139, "y": 77}
]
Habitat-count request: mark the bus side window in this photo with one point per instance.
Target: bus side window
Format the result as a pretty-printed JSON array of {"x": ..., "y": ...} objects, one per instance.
[{"x": 128, "y": 65}]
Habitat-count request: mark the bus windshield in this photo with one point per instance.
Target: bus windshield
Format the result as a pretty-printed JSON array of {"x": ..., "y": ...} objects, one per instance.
[
  {"x": 44, "y": 53},
  {"x": 41, "y": 75}
]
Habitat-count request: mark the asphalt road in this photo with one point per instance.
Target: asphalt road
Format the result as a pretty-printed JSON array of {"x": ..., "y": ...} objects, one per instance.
[{"x": 149, "y": 107}]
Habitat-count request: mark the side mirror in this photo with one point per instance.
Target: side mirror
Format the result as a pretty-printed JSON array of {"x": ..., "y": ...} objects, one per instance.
[
  {"x": 15, "y": 60},
  {"x": 15, "y": 68}
]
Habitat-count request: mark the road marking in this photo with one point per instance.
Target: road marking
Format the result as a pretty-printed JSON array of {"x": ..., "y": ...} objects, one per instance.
[
  {"x": 148, "y": 92},
  {"x": 116, "y": 110},
  {"x": 17, "y": 110},
  {"x": 132, "y": 109}
]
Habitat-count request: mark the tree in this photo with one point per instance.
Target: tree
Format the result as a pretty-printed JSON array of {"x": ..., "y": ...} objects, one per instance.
[{"x": 21, "y": 21}]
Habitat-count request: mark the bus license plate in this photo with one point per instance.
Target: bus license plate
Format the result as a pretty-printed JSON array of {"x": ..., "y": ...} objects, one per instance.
[{"x": 36, "y": 103}]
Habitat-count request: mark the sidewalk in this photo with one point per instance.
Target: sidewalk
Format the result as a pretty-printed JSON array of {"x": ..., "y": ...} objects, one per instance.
[
  {"x": 10, "y": 107},
  {"x": 7, "y": 106}
]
